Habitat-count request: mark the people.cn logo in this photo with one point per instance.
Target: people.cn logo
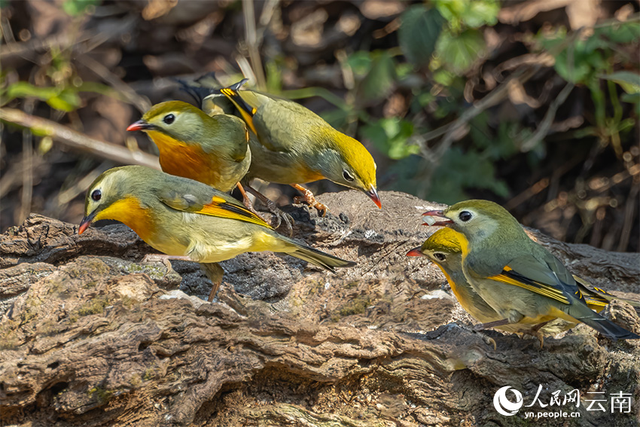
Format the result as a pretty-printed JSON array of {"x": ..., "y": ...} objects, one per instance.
[{"x": 503, "y": 405}]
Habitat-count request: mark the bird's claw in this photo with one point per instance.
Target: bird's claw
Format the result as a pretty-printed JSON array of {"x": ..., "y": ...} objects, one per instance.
[
  {"x": 308, "y": 198},
  {"x": 280, "y": 217},
  {"x": 476, "y": 330},
  {"x": 321, "y": 208}
]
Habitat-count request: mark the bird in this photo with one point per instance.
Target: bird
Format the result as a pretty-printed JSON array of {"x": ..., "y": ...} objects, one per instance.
[
  {"x": 188, "y": 220},
  {"x": 444, "y": 249},
  {"x": 294, "y": 146},
  {"x": 211, "y": 149},
  {"x": 522, "y": 281}
]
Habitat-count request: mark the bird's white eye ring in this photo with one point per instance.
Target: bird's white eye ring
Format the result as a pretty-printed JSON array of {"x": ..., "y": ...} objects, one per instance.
[
  {"x": 346, "y": 175},
  {"x": 440, "y": 256}
]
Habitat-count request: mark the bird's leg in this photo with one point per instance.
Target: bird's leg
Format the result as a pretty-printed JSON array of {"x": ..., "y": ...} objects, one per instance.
[
  {"x": 535, "y": 331},
  {"x": 214, "y": 272},
  {"x": 245, "y": 199},
  {"x": 151, "y": 258},
  {"x": 247, "y": 202},
  {"x": 308, "y": 198},
  {"x": 281, "y": 217}
]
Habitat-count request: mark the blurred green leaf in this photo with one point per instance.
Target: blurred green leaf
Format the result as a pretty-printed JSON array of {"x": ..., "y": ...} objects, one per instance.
[
  {"x": 61, "y": 99},
  {"x": 443, "y": 77},
  {"x": 360, "y": 63},
  {"x": 419, "y": 33},
  {"x": 77, "y": 7},
  {"x": 25, "y": 90},
  {"x": 381, "y": 78},
  {"x": 472, "y": 13},
  {"x": 627, "y": 32},
  {"x": 459, "y": 52},
  {"x": 632, "y": 98},
  {"x": 390, "y": 136},
  {"x": 574, "y": 65},
  {"x": 67, "y": 100},
  {"x": 628, "y": 80}
]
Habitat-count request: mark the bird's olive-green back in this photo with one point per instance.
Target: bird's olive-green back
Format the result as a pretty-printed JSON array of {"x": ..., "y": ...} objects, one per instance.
[
  {"x": 496, "y": 239},
  {"x": 288, "y": 127}
]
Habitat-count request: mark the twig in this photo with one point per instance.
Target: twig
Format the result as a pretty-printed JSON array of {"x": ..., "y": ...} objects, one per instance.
[
  {"x": 629, "y": 214},
  {"x": 496, "y": 96},
  {"x": 77, "y": 140},
  {"x": 27, "y": 172},
  {"x": 251, "y": 37},
  {"x": 81, "y": 185},
  {"x": 141, "y": 103},
  {"x": 64, "y": 41},
  {"x": 547, "y": 121}
]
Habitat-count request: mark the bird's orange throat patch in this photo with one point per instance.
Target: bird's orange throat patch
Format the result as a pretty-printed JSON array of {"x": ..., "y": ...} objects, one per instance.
[
  {"x": 132, "y": 214},
  {"x": 185, "y": 160}
]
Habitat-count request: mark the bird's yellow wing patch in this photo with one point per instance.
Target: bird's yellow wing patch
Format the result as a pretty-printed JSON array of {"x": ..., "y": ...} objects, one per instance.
[
  {"x": 221, "y": 208},
  {"x": 246, "y": 111},
  {"x": 596, "y": 305},
  {"x": 511, "y": 277}
]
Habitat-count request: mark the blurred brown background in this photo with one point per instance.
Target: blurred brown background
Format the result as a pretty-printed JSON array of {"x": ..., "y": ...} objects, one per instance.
[{"x": 533, "y": 104}]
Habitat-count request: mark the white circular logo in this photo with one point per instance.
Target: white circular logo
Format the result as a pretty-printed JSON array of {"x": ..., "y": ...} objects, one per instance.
[{"x": 503, "y": 405}]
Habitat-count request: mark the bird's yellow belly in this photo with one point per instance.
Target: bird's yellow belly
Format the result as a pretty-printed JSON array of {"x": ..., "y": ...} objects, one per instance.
[
  {"x": 280, "y": 167},
  {"x": 216, "y": 250}
]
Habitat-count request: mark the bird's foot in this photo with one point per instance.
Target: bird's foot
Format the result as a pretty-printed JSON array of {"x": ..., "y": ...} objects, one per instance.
[
  {"x": 487, "y": 340},
  {"x": 308, "y": 198},
  {"x": 280, "y": 217},
  {"x": 536, "y": 332}
]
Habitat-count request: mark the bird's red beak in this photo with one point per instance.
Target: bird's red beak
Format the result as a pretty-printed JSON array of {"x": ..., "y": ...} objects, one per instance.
[
  {"x": 373, "y": 194},
  {"x": 84, "y": 224},
  {"x": 415, "y": 252},
  {"x": 139, "y": 125},
  {"x": 444, "y": 221}
]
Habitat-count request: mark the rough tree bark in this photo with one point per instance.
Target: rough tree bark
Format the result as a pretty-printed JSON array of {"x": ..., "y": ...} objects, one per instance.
[{"x": 91, "y": 337}]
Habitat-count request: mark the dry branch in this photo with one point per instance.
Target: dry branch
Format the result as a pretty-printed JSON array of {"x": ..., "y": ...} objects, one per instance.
[{"x": 77, "y": 140}]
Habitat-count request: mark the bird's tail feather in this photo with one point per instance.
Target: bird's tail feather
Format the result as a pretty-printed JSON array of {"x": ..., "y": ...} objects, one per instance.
[
  {"x": 581, "y": 312},
  {"x": 315, "y": 256},
  {"x": 591, "y": 292}
]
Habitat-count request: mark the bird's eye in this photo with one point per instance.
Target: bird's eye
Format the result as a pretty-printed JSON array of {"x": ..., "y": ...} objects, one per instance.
[
  {"x": 346, "y": 175},
  {"x": 96, "y": 195},
  {"x": 465, "y": 216},
  {"x": 169, "y": 118},
  {"x": 440, "y": 256}
]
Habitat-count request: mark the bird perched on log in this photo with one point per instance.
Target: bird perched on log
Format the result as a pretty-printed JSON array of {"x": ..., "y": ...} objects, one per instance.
[
  {"x": 294, "y": 146},
  {"x": 444, "y": 249},
  {"x": 211, "y": 149},
  {"x": 519, "y": 279},
  {"x": 188, "y": 220}
]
